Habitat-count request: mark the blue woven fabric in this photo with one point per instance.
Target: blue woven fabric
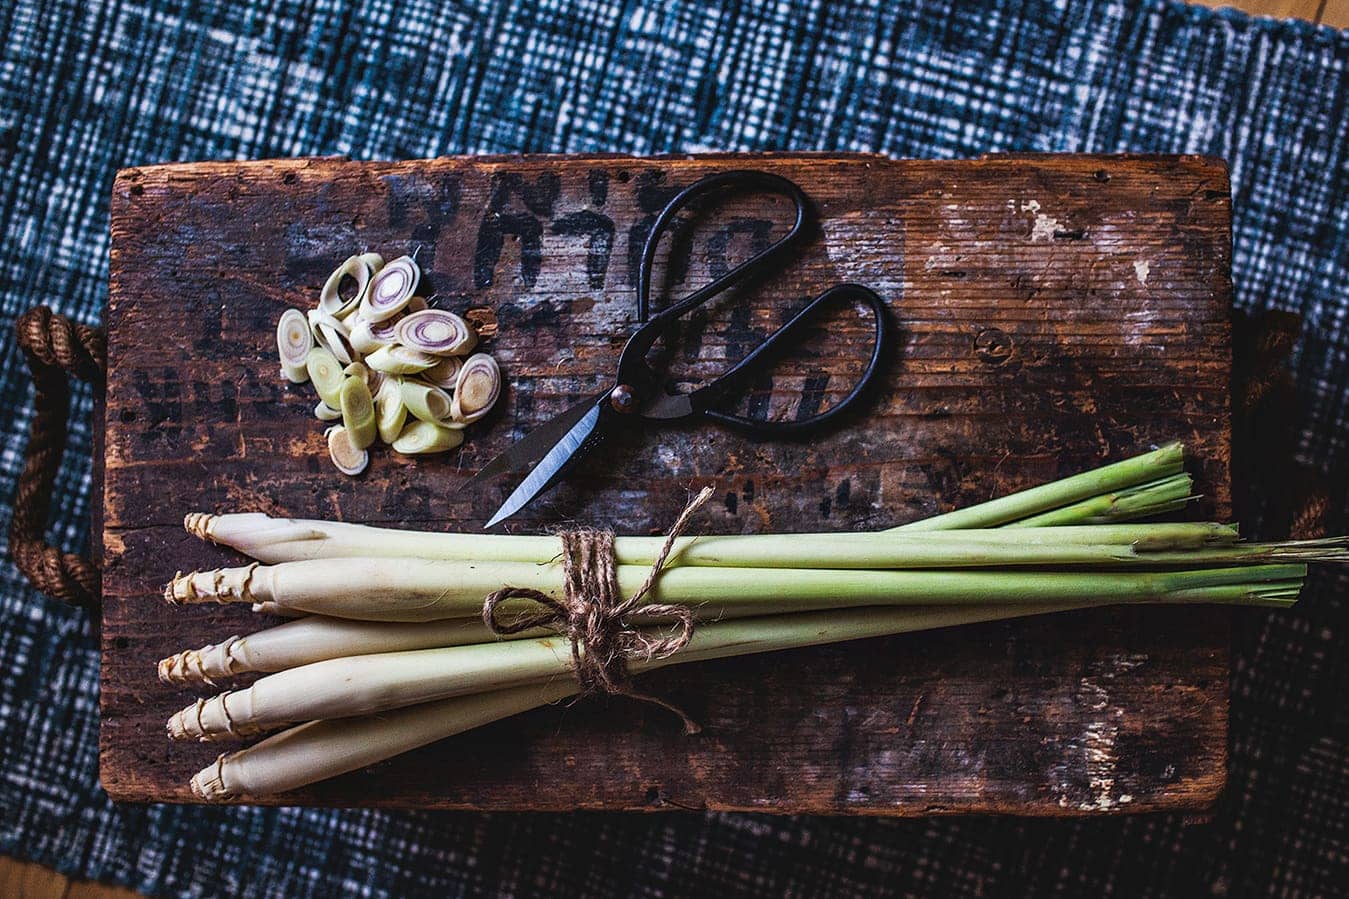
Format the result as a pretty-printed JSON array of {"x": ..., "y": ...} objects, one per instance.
[{"x": 88, "y": 86}]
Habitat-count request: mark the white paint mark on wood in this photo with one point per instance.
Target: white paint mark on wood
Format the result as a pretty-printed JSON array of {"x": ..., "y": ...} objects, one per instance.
[{"x": 1141, "y": 269}]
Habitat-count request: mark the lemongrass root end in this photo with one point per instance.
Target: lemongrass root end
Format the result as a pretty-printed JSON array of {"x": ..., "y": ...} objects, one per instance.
[{"x": 208, "y": 784}]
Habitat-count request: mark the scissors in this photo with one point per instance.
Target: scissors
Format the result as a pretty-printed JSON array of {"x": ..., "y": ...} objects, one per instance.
[{"x": 640, "y": 394}]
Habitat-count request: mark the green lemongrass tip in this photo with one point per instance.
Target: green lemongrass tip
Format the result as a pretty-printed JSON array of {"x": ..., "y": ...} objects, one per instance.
[
  {"x": 424, "y": 590},
  {"x": 1160, "y": 463},
  {"x": 1158, "y": 497}
]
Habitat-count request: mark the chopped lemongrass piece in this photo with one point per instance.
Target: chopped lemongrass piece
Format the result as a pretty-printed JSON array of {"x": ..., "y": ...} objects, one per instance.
[
  {"x": 358, "y": 413},
  {"x": 374, "y": 260},
  {"x": 437, "y": 332},
  {"x": 324, "y": 412},
  {"x": 293, "y": 342},
  {"x": 346, "y": 455},
  {"x": 344, "y": 288},
  {"x": 363, "y": 339},
  {"x": 477, "y": 390},
  {"x": 390, "y": 412},
  {"x": 399, "y": 360},
  {"x": 445, "y": 373},
  {"x": 391, "y": 289},
  {"x": 326, "y": 374},
  {"x": 425, "y": 437},
  {"x": 426, "y": 402}
]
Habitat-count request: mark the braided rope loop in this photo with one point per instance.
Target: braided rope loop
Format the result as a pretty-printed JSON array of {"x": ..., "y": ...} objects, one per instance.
[{"x": 56, "y": 349}]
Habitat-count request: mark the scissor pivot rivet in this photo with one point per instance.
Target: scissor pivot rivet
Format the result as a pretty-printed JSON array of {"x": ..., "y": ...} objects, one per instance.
[{"x": 623, "y": 398}]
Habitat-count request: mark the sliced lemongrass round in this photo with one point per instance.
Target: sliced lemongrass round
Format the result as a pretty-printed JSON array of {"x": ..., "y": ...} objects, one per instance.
[
  {"x": 425, "y": 437},
  {"x": 391, "y": 289},
  {"x": 337, "y": 343},
  {"x": 293, "y": 342},
  {"x": 445, "y": 373},
  {"x": 363, "y": 339},
  {"x": 358, "y": 412},
  {"x": 478, "y": 388},
  {"x": 399, "y": 360},
  {"x": 349, "y": 458},
  {"x": 390, "y": 412},
  {"x": 331, "y": 334},
  {"x": 385, "y": 331},
  {"x": 426, "y": 402},
  {"x": 437, "y": 332},
  {"x": 356, "y": 370},
  {"x": 374, "y": 260},
  {"x": 324, "y": 412},
  {"x": 343, "y": 290},
  {"x": 326, "y": 373}
]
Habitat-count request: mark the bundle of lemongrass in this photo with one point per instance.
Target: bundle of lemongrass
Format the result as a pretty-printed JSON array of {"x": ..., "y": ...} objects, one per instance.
[{"x": 391, "y": 652}]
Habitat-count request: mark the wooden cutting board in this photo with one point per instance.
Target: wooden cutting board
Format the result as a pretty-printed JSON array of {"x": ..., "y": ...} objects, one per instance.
[{"x": 1056, "y": 312}]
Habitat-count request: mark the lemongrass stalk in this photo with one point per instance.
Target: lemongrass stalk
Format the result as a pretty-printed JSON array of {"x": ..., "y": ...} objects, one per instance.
[
  {"x": 1169, "y": 494},
  {"x": 323, "y": 749},
  {"x": 424, "y": 590},
  {"x": 275, "y": 540},
  {"x": 316, "y": 638},
  {"x": 361, "y": 685},
  {"x": 1160, "y": 463}
]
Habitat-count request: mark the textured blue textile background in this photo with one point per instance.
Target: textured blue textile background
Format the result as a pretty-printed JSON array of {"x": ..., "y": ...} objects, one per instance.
[{"x": 88, "y": 86}]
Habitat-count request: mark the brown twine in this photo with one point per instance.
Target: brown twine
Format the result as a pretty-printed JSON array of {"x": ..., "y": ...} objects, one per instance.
[
  {"x": 56, "y": 348},
  {"x": 596, "y": 619}
]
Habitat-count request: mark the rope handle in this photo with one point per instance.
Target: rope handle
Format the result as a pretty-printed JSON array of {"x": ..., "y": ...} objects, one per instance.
[{"x": 56, "y": 349}]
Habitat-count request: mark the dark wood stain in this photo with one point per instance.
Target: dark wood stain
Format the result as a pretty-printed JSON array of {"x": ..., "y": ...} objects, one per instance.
[{"x": 1034, "y": 346}]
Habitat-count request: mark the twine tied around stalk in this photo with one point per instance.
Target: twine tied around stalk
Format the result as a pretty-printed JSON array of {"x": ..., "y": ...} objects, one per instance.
[{"x": 596, "y": 619}]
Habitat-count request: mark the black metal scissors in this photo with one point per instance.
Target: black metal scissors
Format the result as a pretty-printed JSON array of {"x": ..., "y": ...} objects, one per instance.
[{"x": 638, "y": 392}]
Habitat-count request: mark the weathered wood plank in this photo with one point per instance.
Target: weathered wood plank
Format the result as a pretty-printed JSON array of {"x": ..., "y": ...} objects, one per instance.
[{"x": 1056, "y": 312}]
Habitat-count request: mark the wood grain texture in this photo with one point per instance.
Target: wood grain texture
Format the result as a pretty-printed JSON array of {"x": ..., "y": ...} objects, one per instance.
[{"x": 1056, "y": 312}]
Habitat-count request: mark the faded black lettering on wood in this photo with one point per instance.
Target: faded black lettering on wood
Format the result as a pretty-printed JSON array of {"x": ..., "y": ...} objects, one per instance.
[{"x": 1056, "y": 312}]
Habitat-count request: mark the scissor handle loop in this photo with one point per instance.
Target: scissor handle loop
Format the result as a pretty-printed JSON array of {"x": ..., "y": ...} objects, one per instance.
[
  {"x": 708, "y": 395},
  {"x": 632, "y": 366}
]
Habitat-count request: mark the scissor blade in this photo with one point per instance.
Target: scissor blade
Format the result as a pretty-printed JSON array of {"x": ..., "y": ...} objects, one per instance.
[
  {"x": 550, "y": 466},
  {"x": 532, "y": 447}
]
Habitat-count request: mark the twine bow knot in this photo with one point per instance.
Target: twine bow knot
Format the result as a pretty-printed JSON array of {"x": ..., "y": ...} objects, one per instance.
[{"x": 597, "y": 620}]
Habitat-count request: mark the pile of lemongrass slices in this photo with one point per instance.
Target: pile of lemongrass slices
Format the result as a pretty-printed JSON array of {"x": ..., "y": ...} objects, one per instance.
[
  {"x": 389, "y": 652},
  {"x": 384, "y": 364}
]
